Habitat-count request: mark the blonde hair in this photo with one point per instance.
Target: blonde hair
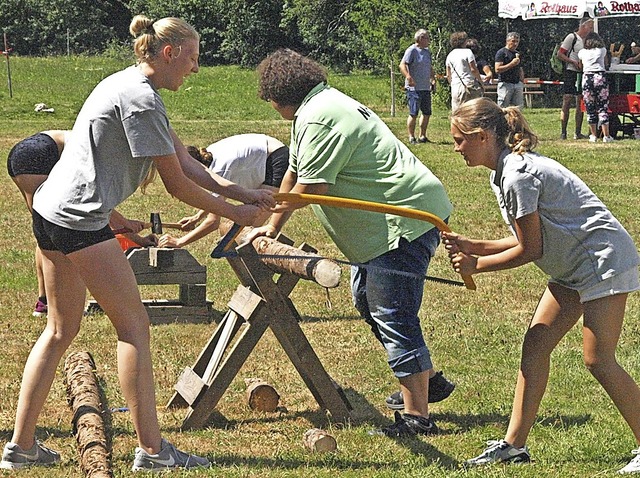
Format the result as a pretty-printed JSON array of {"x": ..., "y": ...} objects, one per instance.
[
  {"x": 151, "y": 35},
  {"x": 151, "y": 175},
  {"x": 508, "y": 125}
]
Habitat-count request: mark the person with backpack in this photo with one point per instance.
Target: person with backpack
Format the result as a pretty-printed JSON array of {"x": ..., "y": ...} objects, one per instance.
[{"x": 572, "y": 76}]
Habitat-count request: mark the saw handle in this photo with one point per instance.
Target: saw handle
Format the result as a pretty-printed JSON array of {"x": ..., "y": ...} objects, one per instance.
[{"x": 300, "y": 198}]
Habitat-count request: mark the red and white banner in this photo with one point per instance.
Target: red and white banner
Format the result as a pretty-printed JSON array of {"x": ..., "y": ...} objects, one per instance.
[{"x": 567, "y": 8}]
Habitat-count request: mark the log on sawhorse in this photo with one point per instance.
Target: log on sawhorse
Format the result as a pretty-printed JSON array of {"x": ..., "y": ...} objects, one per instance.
[{"x": 258, "y": 303}]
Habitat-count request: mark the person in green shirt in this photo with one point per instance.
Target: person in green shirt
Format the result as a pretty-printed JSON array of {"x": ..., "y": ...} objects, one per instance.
[{"x": 341, "y": 148}]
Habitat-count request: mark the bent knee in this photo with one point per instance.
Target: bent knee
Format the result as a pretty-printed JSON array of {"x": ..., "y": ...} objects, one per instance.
[{"x": 599, "y": 365}]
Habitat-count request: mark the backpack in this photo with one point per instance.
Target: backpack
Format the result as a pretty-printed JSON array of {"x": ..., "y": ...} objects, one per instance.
[{"x": 557, "y": 64}]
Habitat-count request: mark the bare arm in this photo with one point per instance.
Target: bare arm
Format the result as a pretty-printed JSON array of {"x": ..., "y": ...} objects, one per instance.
[
  {"x": 118, "y": 221},
  {"x": 472, "y": 256},
  {"x": 283, "y": 211},
  {"x": 199, "y": 174},
  {"x": 475, "y": 72},
  {"x": 404, "y": 69},
  {"x": 562, "y": 54},
  {"x": 182, "y": 187},
  {"x": 502, "y": 67},
  {"x": 207, "y": 226}
]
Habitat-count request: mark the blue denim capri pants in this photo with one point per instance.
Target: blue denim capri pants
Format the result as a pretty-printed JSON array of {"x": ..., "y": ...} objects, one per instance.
[{"x": 387, "y": 292}]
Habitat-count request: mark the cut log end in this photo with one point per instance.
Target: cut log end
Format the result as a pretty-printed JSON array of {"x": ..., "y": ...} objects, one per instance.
[
  {"x": 262, "y": 396},
  {"x": 319, "y": 441}
]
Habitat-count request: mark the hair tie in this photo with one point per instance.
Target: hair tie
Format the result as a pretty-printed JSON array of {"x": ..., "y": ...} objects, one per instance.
[{"x": 149, "y": 30}]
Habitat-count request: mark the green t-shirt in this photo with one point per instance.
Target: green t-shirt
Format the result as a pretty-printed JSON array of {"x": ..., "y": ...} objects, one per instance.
[{"x": 337, "y": 141}]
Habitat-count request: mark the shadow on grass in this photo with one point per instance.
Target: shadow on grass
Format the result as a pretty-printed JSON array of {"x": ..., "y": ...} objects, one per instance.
[
  {"x": 367, "y": 416},
  {"x": 327, "y": 461}
]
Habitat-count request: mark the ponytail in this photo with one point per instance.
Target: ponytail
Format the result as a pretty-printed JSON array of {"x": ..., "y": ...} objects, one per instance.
[{"x": 507, "y": 124}]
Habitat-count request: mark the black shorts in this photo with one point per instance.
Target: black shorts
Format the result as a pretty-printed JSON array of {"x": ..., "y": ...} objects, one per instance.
[
  {"x": 51, "y": 237},
  {"x": 572, "y": 82},
  {"x": 277, "y": 164},
  {"x": 36, "y": 154}
]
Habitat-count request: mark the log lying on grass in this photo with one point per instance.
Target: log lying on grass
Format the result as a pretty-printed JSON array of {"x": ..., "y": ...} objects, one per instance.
[
  {"x": 84, "y": 398},
  {"x": 261, "y": 396},
  {"x": 319, "y": 441},
  {"x": 305, "y": 265}
]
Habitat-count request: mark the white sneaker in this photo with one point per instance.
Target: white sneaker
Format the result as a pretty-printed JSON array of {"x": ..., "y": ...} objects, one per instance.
[
  {"x": 634, "y": 465},
  {"x": 607, "y": 139},
  {"x": 168, "y": 457},
  {"x": 499, "y": 451},
  {"x": 39, "y": 455},
  {"x": 592, "y": 138}
]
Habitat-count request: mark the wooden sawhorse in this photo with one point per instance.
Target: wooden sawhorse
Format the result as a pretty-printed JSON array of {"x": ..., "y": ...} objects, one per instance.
[{"x": 258, "y": 303}]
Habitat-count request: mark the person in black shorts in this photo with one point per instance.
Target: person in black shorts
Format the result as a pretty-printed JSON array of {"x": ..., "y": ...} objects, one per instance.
[
  {"x": 29, "y": 163},
  {"x": 572, "y": 76}
]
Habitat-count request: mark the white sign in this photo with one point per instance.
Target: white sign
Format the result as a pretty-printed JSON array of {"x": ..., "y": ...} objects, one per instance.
[{"x": 567, "y": 8}]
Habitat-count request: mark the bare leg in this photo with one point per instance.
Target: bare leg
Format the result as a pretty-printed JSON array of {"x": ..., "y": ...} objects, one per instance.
[
  {"x": 564, "y": 113},
  {"x": 415, "y": 391},
  {"x": 124, "y": 308},
  {"x": 558, "y": 310},
  {"x": 66, "y": 303},
  {"x": 602, "y": 326},
  {"x": 411, "y": 126},
  {"x": 39, "y": 273},
  {"x": 27, "y": 184},
  {"x": 424, "y": 123},
  {"x": 579, "y": 115}
]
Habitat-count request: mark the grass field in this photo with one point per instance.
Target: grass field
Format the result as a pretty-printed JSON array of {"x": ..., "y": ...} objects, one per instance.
[{"x": 474, "y": 337}]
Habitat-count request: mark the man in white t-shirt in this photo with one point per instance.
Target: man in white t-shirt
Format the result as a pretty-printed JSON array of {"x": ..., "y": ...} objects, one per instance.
[{"x": 572, "y": 76}]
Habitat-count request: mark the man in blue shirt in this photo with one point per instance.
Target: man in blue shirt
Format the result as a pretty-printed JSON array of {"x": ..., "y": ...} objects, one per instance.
[{"x": 419, "y": 83}]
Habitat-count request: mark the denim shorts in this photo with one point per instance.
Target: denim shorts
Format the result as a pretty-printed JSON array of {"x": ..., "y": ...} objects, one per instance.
[
  {"x": 419, "y": 100},
  {"x": 387, "y": 292}
]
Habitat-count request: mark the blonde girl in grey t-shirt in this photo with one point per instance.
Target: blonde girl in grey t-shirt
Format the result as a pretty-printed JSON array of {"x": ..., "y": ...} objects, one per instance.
[
  {"x": 121, "y": 131},
  {"x": 559, "y": 224}
]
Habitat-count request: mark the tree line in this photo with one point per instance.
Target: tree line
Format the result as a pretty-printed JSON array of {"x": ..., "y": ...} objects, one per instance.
[{"x": 344, "y": 35}]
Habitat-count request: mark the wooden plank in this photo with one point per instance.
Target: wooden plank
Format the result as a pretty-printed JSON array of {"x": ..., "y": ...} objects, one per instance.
[
  {"x": 285, "y": 327},
  {"x": 189, "y": 386},
  {"x": 165, "y": 278}
]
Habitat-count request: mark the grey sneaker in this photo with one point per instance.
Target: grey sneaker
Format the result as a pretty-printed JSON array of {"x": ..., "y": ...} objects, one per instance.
[
  {"x": 579, "y": 136},
  {"x": 499, "y": 451},
  {"x": 633, "y": 466},
  {"x": 39, "y": 455},
  {"x": 412, "y": 140},
  {"x": 168, "y": 457}
]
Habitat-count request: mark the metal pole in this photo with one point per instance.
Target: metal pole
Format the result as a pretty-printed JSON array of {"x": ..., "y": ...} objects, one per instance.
[{"x": 6, "y": 53}]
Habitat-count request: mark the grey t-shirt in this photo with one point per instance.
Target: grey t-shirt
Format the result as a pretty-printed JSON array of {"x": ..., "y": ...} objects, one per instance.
[
  {"x": 583, "y": 243},
  {"x": 418, "y": 61},
  {"x": 122, "y": 124}
]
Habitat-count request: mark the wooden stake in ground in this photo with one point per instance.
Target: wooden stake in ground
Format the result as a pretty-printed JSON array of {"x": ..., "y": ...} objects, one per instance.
[
  {"x": 261, "y": 396},
  {"x": 319, "y": 441},
  {"x": 83, "y": 396}
]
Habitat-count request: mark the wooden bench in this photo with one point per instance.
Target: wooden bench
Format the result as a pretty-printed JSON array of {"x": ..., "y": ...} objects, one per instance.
[{"x": 531, "y": 88}]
